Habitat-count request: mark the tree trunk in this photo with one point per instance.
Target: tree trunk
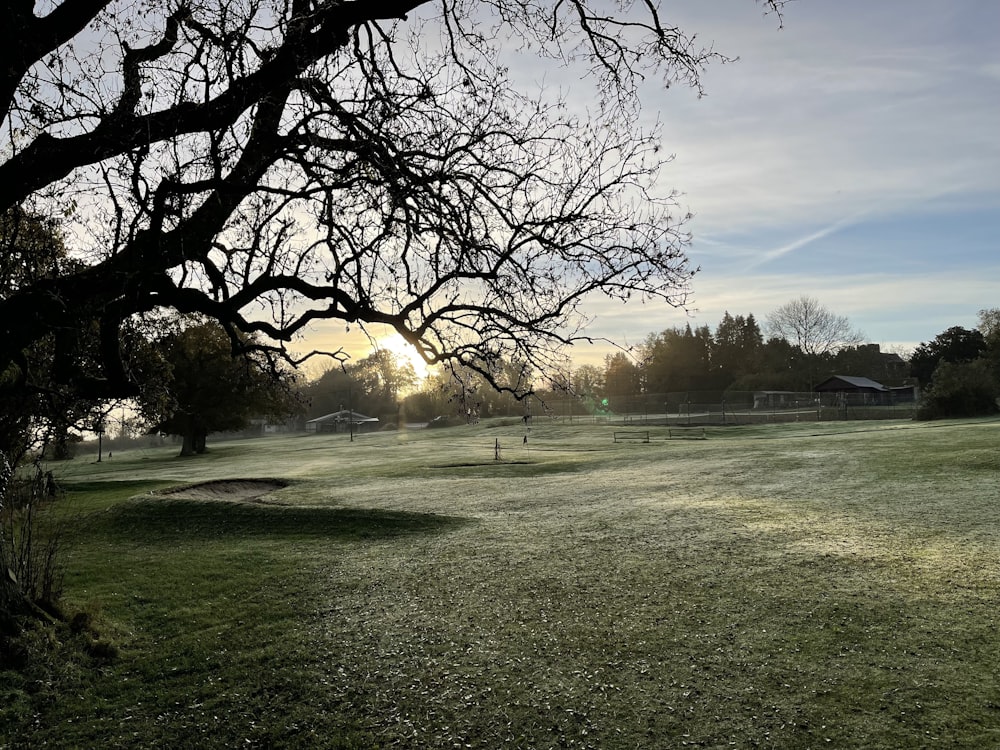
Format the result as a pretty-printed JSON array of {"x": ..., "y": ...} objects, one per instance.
[
  {"x": 13, "y": 604},
  {"x": 188, "y": 444},
  {"x": 194, "y": 441}
]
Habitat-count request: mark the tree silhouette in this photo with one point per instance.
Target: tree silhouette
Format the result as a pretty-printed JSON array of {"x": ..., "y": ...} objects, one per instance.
[
  {"x": 813, "y": 328},
  {"x": 211, "y": 390},
  {"x": 272, "y": 163},
  {"x": 955, "y": 345}
]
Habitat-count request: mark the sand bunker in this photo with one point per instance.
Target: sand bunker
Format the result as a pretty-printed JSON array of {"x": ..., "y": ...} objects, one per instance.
[{"x": 240, "y": 490}]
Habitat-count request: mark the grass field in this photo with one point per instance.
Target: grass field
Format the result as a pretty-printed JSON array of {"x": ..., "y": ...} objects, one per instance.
[{"x": 793, "y": 586}]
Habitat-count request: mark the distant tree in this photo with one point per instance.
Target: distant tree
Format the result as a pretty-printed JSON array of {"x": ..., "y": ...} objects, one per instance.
[
  {"x": 868, "y": 360},
  {"x": 334, "y": 389},
  {"x": 381, "y": 379},
  {"x": 783, "y": 367},
  {"x": 697, "y": 354},
  {"x": 622, "y": 380},
  {"x": 215, "y": 386},
  {"x": 455, "y": 394},
  {"x": 660, "y": 364},
  {"x": 432, "y": 400},
  {"x": 989, "y": 326},
  {"x": 814, "y": 329},
  {"x": 588, "y": 380},
  {"x": 678, "y": 359},
  {"x": 960, "y": 389},
  {"x": 584, "y": 387},
  {"x": 989, "y": 322},
  {"x": 725, "y": 354},
  {"x": 816, "y": 332},
  {"x": 736, "y": 349},
  {"x": 467, "y": 390},
  {"x": 515, "y": 379},
  {"x": 955, "y": 345},
  {"x": 750, "y": 340}
]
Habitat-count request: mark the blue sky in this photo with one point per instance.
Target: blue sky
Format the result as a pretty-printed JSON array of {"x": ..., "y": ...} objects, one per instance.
[{"x": 851, "y": 156}]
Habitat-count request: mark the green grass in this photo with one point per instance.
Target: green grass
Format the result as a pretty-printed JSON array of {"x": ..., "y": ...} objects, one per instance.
[{"x": 790, "y": 586}]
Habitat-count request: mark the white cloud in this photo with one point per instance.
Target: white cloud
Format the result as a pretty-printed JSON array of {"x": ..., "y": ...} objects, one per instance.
[
  {"x": 800, "y": 242},
  {"x": 858, "y": 109}
]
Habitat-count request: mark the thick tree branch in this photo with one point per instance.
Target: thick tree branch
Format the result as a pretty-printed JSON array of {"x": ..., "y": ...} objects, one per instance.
[
  {"x": 311, "y": 38},
  {"x": 315, "y": 162}
]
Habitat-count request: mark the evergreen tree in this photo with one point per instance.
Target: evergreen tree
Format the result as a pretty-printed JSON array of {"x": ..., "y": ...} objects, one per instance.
[{"x": 955, "y": 345}]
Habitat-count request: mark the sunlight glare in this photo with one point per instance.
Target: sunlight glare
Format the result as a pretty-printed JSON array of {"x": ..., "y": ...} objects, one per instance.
[{"x": 405, "y": 353}]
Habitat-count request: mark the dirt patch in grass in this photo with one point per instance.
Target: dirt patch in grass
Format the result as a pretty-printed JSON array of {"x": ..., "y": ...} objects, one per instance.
[{"x": 237, "y": 490}]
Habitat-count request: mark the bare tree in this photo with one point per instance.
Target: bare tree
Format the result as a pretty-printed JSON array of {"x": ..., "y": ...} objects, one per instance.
[
  {"x": 805, "y": 323},
  {"x": 272, "y": 163},
  {"x": 989, "y": 322}
]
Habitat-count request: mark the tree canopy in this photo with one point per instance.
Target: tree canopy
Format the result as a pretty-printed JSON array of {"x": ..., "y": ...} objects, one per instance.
[
  {"x": 374, "y": 385},
  {"x": 276, "y": 162},
  {"x": 955, "y": 345},
  {"x": 212, "y": 390},
  {"x": 989, "y": 326},
  {"x": 39, "y": 402},
  {"x": 812, "y": 327}
]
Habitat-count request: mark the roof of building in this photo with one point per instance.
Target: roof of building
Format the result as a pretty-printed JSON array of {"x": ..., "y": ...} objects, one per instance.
[
  {"x": 343, "y": 415},
  {"x": 850, "y": 381}
]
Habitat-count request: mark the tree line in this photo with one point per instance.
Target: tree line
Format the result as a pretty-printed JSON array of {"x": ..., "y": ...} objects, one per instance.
[
  {"x": 195, "y": 376},
  {"x": 800, "y": 344}
]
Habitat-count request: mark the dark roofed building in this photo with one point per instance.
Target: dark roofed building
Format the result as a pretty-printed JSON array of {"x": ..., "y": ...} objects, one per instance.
[
  {"x": 849, "y": 384},
  {"x": 852, "y": 389}
]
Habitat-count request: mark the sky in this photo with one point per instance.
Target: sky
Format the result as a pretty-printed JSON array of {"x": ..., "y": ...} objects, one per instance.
[{"x": 850, "y": 154}]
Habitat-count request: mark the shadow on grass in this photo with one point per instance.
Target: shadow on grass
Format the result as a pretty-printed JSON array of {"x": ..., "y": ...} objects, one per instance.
[
  {"x": 113, "y": 486},
  {"x": 160, "y": 519},
  {"x": 469, "y": 464}
]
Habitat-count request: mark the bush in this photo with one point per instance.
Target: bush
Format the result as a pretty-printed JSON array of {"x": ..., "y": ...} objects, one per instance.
[
  {"x": 29, "y": 545},
  {"x": 964, "y": 389}
]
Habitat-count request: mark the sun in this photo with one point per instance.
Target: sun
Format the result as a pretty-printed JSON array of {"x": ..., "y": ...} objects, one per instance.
[{"x": 404, "y": 352}]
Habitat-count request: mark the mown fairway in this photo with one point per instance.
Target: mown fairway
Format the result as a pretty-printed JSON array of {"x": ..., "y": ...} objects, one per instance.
[{"x": 830, "y": 585}]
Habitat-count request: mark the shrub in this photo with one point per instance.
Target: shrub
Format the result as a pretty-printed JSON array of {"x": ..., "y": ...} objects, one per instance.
[
  {"x": 29, "y": 547},
  {"x": 963, "y": 389}
]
